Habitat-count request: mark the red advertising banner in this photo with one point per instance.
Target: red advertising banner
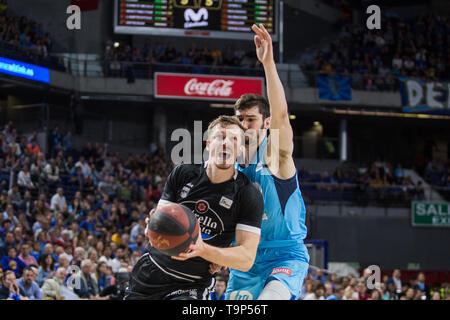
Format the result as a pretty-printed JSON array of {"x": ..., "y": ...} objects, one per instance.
[{"x": 205, "y": 87}]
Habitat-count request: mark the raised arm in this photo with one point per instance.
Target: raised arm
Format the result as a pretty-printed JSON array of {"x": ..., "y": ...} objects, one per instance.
[{"x": 281, "y": 163}]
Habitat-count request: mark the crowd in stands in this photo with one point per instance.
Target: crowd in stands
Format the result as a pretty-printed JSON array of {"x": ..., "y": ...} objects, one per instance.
[
  {"x": 319, "y": 286},
  {"x": 120, "y": 57},
  {"x": 24, "y": 39},
  {"x": 374, "y": 59},
  {"x": 380, "y": 183},
  {"x": 84, "y": 211},
  {"x": 83, "y": 208}
]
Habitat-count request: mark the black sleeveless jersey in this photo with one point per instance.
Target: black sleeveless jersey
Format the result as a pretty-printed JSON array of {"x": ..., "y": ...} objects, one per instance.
[{"x": 220, "y": 209}]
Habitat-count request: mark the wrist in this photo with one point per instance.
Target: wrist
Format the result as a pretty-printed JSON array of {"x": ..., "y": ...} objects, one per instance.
[{"x": 269, "y": 64}]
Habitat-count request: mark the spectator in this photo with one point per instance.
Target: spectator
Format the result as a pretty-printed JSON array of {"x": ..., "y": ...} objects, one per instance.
[
  {"x": 376, "y": 295},
  {"x": 24, "y": 179},
  {"x": 106, "y": 282},
  {"x": 51, "y": 288},
  {"x": 27, "y": 205},
  {"x": 420, "y": 285},
  {"x": 58, "y": 201},
  {"x": 9, "y": 289},
  {"x": 362, "y": 291},
  {"x": 219, "y": 290},
  {"x": 16, "y": 198},
  {"x": 46, "y": 268},
  {"x": 318, "y": 291},
  {"x": 12, "y": 262},
  {"x": 138, "y": 228},
  {"x": 396, "y": 280},
  {"x": 338, "y": 294},
  {"x": 51, "y": 173},
  {"x": 25, "y": 255},
  {"x": 28, "y": 286},
  {"x": 84, "y": 166},
  {"x": 110, "y": 260},
  {"x": 67, "y": 142},
  {"x": 88, "y": 286},
  {"x": 33, "y": 147}
]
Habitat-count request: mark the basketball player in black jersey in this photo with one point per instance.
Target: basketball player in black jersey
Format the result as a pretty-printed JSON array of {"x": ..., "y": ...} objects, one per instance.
[{"x": 227, "y": 206}]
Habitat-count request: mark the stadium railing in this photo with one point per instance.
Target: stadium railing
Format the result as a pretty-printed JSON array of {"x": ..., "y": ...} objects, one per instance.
[
  {"x": 367, "y": 195},
  {"x": 28, "y": 55}
]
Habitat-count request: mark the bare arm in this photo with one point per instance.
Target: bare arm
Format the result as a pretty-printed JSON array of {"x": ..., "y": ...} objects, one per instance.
[
  {"x": 281, "y": 163},
  {"x": 240, "y": 257}
]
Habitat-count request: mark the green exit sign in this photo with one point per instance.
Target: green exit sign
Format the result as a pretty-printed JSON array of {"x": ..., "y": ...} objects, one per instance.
[{"x": 430, "y": 214}]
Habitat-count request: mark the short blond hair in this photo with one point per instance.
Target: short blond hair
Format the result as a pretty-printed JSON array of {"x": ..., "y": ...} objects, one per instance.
[{"x": 225, "y": 121}]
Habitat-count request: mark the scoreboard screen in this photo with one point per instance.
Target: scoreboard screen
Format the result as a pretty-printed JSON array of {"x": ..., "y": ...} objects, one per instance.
[{"x": 198, "y": 18}]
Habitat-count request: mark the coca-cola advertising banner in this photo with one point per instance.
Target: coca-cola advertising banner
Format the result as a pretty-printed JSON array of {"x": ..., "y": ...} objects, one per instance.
[{"x": 205, "y": 87}]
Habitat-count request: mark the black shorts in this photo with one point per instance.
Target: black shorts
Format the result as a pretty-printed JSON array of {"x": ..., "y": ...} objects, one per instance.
[{"x": 149, "y": 281}]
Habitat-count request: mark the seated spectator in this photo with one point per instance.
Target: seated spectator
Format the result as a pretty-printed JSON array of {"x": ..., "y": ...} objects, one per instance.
[
  {"x": 376, "y": 295},
  {"x": 46, "y": 268},
  {"x": 51, "y": 173},
  {"x": 58, "y": 201},
  {"x": 15, "y": 196},
  {"x": 219, "y": 290},
  {"x": 85, "y": 168},
  {"x": 67, "y": 142},
  {"x": 27, "y": 205},
  {"x": 110, "y": 260},
  {"x": 105, "y": 282},
  {"x": 25, "y": 255},
  {"x": 24, "y": 179},
  {"x": 28, "y": 286},
  {"x": 362, "y": 291},
  {"x": 318, "y": 292},
  {"x": 138, "y": 228},
  {"x": 12, "y": 262},
  {"x": 51, "y": 288},
  {"x": 338, "y": 294},
  {"x": 9, "y": 289},
  {"x": 88, "y": 286}
]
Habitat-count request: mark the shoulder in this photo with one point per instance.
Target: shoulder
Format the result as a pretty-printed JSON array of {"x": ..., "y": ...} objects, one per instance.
[
  {"x": 184, "y": 169},
  {"x": 246, "y": 186}
]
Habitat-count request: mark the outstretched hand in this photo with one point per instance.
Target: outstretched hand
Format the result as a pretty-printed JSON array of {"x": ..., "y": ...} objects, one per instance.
[{"x": 263, "y": 43}]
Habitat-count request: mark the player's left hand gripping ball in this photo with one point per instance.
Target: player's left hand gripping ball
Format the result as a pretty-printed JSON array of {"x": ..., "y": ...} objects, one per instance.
[{"x": 194, "y": 250}]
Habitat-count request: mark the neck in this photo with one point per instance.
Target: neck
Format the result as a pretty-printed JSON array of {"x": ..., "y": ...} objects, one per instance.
[
  {"x": 217, "y": 175},
  {"x": 250, "y": 150}
]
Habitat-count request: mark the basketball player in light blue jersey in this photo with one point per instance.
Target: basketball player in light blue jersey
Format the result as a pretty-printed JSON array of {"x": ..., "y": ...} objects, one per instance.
[{"x": 282, "y": 258}]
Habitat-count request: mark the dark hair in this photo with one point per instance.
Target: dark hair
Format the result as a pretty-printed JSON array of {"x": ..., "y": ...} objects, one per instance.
[
  {"x": 247, "y": 101},
  {"x": 42, "y": 259},
  {"x": 219, "y": 278},
  {"x": 319, "y": 285},
  {"x": 26, "y": 269}
]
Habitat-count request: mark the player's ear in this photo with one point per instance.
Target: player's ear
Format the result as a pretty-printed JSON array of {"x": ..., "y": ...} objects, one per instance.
[
  {"x": 207, "y": 145},
  {"x": 267, "y": 123}
]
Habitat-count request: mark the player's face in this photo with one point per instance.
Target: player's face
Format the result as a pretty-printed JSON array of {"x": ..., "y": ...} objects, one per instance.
[
  {"x": 224, "y": 145},
  {"x": 253, "y": 122}
]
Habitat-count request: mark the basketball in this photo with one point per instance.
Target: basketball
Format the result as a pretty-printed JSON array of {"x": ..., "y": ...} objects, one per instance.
[{"x": 172, "y": 228}]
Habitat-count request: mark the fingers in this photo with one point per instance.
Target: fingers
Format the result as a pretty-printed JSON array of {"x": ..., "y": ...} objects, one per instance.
[
  {"x": 261, "y": 31},
  {"x": 257, "y": 40},
  {"x": 266, "y": 33}
]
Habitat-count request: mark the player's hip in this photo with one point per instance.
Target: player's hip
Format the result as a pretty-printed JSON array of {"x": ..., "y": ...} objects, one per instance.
[
  {"x": 282, "y": 250},
  {"x": 152, "y": 281}
]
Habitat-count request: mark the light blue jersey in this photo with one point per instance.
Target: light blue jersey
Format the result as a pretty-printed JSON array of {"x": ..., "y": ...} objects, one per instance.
[{"x": 282, "y": 254}]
